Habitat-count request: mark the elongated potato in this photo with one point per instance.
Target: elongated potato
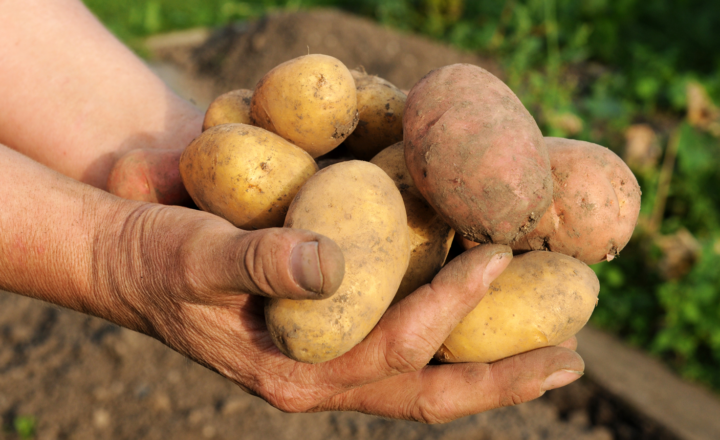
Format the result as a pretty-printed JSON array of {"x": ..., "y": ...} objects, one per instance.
[
  {"x": 244, "y": 174},
  {"x": 380, "y": 111},
  {"x": 430, "y": 236},
  {"x": 311, "y": 101},
  {"x": 232, "y": 107},
  {"x": 595, "y": 205},
  {"x": 540, "y": 300},
  {"x": 357, "y": 205},
  {"x": 476, "y": 154}
]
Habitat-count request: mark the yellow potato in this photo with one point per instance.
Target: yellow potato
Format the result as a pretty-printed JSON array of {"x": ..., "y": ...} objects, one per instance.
[
  {"x": 357, "y": 205},
  {"x": 540, "y": 300},
  {"x": 430, "y": 236},
  {"x": 310, "y": 101},
  {"x": 380, "y": 109},
  {"x": 244, "y": 174},
  {"x": 228, "y": 108}
]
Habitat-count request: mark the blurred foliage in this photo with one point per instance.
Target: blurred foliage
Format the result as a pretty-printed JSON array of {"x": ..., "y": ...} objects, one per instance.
[
  {"x": 589, "y": 70},
  {"x": 25, "y": 427}
]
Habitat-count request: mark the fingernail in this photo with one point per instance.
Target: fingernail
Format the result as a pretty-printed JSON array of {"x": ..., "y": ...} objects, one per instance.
[
  {"x": 496, "y": 265},
  {"x": 305, "y": 265},
  {"x": 560, "y": 379}
]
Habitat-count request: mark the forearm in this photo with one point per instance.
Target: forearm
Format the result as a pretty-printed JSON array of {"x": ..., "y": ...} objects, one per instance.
[
  {"x": 74, "y": 98},
  {"x": 50, "y": 230}
]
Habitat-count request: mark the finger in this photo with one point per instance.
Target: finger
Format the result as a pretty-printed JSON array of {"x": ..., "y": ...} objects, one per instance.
[
  {"x": 411, "y": 332},
  {"x": 149, "y": 176},
  {"x": 275, "y": 263},
  {"x": 442, "y": 393},
  {"x": 569, "y": 344}
]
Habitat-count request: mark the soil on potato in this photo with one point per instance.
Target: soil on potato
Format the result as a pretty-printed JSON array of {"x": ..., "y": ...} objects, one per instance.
[{"x": 70, "y": 376}]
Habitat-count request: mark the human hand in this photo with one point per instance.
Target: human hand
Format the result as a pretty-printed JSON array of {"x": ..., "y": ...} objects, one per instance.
[
  {"x": 196, "y": 283},
  {"x": 149, "y": 175}
]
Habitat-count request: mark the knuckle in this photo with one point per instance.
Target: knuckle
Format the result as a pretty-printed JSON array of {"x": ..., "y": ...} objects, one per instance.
[
  {"x": 432, "y": 411},
  {"x": 405, "y": 356},
  {"x": 259, "y": 261}
]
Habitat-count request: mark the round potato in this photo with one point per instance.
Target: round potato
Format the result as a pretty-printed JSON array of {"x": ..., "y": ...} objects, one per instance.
[
  {"x": 380, "y": 111},
  {"x": 430, "y": 236},
  {"x": 540, "y": 300},
  {"x": 228, "y": 108},
  {"x": 595, "y": 205},
  {"x": 244, "y": 174},
  {"x": 311, "y": 101},
  {"x": 476, "y": 154},
  {"x": 357, "y": 205}
]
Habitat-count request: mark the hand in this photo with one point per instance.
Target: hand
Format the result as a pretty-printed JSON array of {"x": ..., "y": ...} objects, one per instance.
[
  {"x": 197, "y": 283},
  {"x": 149, "y": 175}
]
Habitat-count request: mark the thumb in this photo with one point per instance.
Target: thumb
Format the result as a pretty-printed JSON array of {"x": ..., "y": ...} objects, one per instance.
[
  {"x": 275, "y": 263},
  {"x": 149, "y": 175}
]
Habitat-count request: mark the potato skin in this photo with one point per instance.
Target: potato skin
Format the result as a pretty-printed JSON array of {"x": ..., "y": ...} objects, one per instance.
[
  {"x": 430, "y": 236},
  {"x": 476, "y": 154},
  {"x": 380, "y": 110},
  {"x": 358, "y": 206},
  {"x": 244, "y": 174},
  {"x": 540, "y": 300},
  {"x": 228, "y": 108},
  {"x": 311, "y": 101},
  {"x": 595, "y": 205}
]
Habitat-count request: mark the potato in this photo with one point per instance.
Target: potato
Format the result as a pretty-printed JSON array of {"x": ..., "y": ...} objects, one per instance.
[
  {"x": 540, "y": 300},
  {"x": 595, "y": 205},
  {"x": 228, "y": 108},
  {"x": 244, "y": 174},
  {"x": 430, "y": 236},
  {"x": 358, "y": 206},
  {"x": 476, "y": 154},
  {"x": 310, "y": 101},
  {"x": 380, "y": 109}
]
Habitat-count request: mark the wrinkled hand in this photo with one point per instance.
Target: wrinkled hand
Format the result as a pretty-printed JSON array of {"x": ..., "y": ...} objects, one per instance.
[{"x": 197, "y": 283}]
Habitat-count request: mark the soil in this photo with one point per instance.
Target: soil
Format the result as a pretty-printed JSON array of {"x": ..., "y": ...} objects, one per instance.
[
  {"x": 79, "y": 377},
  {"x": 239, "y": 55}
]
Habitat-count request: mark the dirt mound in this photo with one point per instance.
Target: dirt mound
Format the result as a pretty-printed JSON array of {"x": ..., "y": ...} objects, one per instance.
[{"x": 238, "y": 56}]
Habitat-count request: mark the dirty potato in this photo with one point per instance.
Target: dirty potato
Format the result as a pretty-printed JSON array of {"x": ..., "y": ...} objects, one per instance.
[
  {"x": 596, "y": 203},
  {"x": 244, "y": 174},
  {"x": 540, "y": 300},
  {"x": 476, "y": 154},
  {"x": 311, "y": 101},
  {"x": 430, "y": 236},
  {"x": 380, "y": 111},
  {"x": 358, "y": 206},
  {"x": 228, "y": 108}
]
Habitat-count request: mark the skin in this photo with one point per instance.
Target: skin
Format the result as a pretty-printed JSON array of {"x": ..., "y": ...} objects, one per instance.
[{"x": 191, "y": 279}]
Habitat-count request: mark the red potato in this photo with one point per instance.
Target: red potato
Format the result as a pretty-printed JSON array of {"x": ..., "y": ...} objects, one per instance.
[
  {"x": 476, "y": 154},
  {"x": 149, "y": 176},
  {"x": 595, "y": 206}
]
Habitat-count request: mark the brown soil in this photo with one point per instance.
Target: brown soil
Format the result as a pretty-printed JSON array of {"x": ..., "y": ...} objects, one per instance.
[
  {"x": 83, "y": 378},
  {"x": 238, "y": 56},
  {"x": 80, "y": 377}
]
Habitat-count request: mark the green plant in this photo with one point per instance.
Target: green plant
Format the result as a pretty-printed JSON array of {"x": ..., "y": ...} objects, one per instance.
[{"x": 25, "y": 426}]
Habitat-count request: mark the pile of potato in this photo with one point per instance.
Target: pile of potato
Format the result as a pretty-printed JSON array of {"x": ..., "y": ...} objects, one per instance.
[{"x": 459, "y": 153}]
